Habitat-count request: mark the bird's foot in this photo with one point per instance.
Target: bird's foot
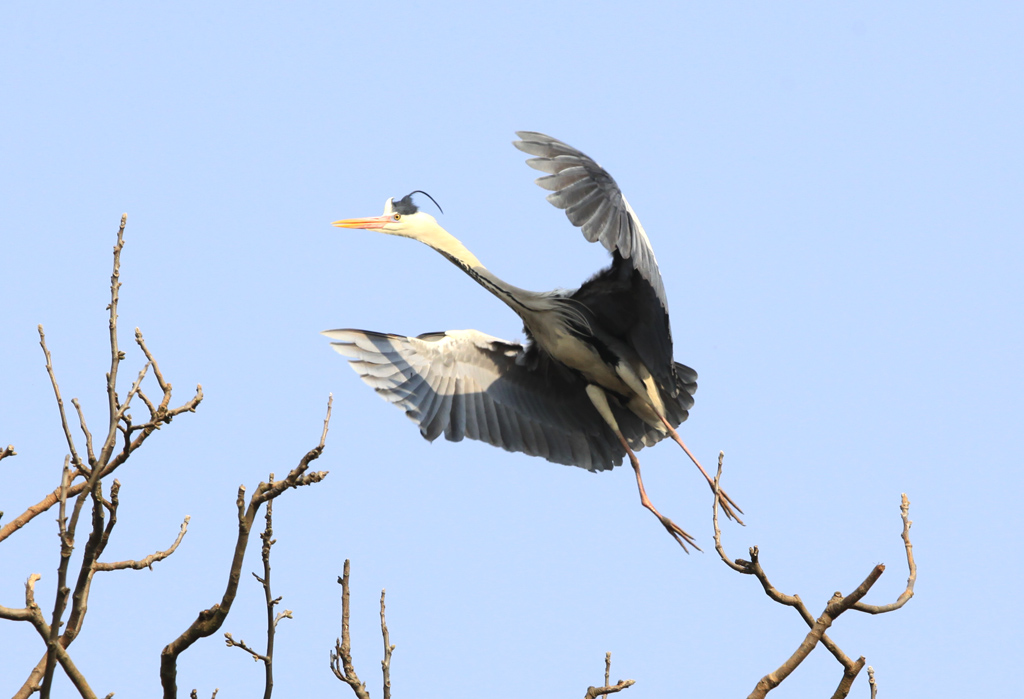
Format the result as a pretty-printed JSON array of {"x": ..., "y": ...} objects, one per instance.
[
  {"x": 681, "y": 537},
  {"x": 728, "y": 504}
]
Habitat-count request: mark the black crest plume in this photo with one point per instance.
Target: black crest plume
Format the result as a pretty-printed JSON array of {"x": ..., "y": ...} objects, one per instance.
[{"x": 405, "y": 205}]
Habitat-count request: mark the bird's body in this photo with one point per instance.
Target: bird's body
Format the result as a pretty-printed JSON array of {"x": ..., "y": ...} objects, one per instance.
[{"x": 596, "y": 380}]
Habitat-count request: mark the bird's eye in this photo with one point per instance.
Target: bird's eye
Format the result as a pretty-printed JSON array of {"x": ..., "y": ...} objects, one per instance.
[{"x": 396, "y": 217}]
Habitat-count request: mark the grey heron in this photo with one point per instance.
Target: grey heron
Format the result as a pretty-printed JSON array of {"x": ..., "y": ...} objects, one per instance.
[{"x": 596, "y": 380}]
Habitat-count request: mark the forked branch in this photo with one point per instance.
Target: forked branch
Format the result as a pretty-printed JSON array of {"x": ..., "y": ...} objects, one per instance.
[
  {"x": 341, "y": 656},
  {"x": 272, "y": 619},
  {"x": 210, "y": 620},
  {"x": 608, "y": 688},
  {"x": 133, "y": 435},
  {"x": 81, "y": 482},
  {"x": 836, "y": 606}
]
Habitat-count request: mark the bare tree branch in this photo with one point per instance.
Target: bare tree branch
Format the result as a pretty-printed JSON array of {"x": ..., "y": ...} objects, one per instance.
[
  {"x": 131, "y": 445},
  {"x": 149, "y": 560},
  {"x": 735, "y": 565},
  {"x": 90, "y": 487},
  {"x": 909, "y": 591},
  {"x": 67, "y": 545},
  {"x": 268, "y": 542},
  {"x": 608, "y": 688},
  {"x": 116, "y": 355},
  {"x": 7, "y": 451},
  {"x": 85, "y": 430},
  {"x": 210, "y": 620},
  {"x": 341, "y": 656},
  {"x": 838, "y": 605},
  {"x": 158, "y": 416},
  {"x": 753, "y": 567},
  {"x": 33, "y": 614},
  {"x": 849, "y": 675},
  {"x": 272, "y": 619},
  {"x": 60, "y": 402},
  {"x": 385, "y": 664},
  {"x": 164, "y": 386},
  {"x": 232, "y": 643},
  {"x": 593, "y": 692},
  {"x": 92, "y": 550},
  {"x": 31, "y": 607}
]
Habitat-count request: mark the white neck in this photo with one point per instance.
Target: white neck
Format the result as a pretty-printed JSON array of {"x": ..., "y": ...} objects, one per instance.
[{"x": 429, "y": 232}]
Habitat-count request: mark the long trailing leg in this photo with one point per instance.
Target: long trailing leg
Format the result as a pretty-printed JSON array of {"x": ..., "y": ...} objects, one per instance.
[
  {"x": 647, "y": 392},
  {"x": 600, "y": 401},
  {"x": 727, "y": 502},
  {"x": 677, "y": 533}
]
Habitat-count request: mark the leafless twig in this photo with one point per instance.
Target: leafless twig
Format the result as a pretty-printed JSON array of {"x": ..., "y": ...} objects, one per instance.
[
  {"x": 268, "y": 541},
  {"x": 232, "y": 643},
  {"x": 152, "y": 558},
  {"x": 272, "y": 619},
  {"x": 341, "y": 656},
  {"x": 210, "y": 620},
  {"x": 911, "y": 565},
  {"x": 385, "y": 664},
  {"x": 116, "y": 355},
  {"x": 60, "y": 401},
  {"x": 85, "y": 430}
]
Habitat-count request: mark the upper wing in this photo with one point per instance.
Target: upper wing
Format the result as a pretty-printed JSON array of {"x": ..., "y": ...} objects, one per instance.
[
  {"x": 592, "y": 200},
  {"x": 464, "y": 383}
]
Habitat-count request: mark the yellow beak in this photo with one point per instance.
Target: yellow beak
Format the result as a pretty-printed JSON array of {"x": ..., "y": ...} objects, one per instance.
[{"x": 368, "y": 223}]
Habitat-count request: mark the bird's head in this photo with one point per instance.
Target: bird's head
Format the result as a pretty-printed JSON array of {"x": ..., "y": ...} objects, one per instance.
[{"x": 402, "y": 218}]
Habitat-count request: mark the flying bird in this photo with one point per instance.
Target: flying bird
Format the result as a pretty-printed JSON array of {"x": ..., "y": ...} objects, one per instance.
[{"x": 596, "y": 380}]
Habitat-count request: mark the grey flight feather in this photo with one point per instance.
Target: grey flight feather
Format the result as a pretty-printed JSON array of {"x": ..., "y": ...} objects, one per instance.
[
  {"x": 592, "y": 201},
  {"x": 464, "y": 383}
]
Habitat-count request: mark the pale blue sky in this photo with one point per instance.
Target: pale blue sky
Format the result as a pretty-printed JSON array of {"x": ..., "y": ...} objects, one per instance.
[{"x": 834, "y": 194}]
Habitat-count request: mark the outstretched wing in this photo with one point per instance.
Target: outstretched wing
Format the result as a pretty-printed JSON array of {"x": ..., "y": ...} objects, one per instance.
[
  {"x": 592, "y": 201},
  {"x": 463, "y": 383},
  {"x": 628, "y": 298}
]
